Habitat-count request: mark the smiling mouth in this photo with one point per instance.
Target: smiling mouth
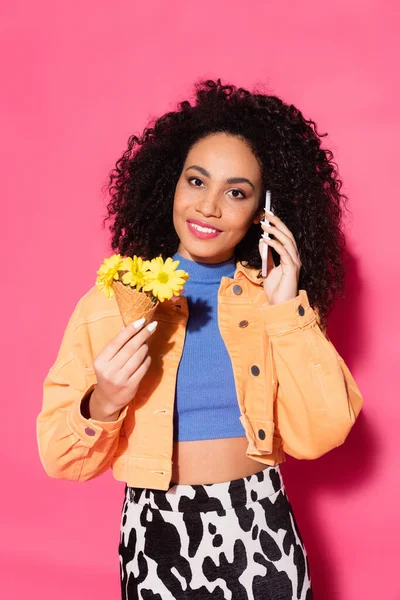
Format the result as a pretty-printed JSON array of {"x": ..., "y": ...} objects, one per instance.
[
  {"x": 202, "y": 232},
  {"x": 203, "y": 229}
]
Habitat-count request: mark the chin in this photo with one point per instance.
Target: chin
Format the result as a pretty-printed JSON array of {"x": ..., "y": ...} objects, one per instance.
[{"x": 203, "y": 249}]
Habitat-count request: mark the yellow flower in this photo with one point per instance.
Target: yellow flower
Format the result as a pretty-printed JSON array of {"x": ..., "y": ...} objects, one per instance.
[
  {"x": 107, "y": 273},
  {"x": 136, "y": 269},
  {"x": 163, "y": 280}
]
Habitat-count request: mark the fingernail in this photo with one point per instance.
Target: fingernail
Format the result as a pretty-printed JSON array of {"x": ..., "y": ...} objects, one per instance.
[
  {"x": 138, "y": 323},
  {"x": 152, "y": 326},
  {"x": 269, "y": 212}
]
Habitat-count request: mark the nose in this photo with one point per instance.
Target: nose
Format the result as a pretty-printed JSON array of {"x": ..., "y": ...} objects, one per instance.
[{"x": 208, "y": 205}]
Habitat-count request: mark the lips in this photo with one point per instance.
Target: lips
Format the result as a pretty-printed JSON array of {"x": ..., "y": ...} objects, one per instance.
[
  {"x": 203, "y": 224},
  {"x": 203, "y": 235}
]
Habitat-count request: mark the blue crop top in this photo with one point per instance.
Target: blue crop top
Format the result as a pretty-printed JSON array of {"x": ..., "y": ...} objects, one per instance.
[{"x": 206, "y": 405}]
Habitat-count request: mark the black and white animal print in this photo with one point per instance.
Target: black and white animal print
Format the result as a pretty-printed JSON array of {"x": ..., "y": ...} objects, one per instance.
[{"x": 236, "y": 540}]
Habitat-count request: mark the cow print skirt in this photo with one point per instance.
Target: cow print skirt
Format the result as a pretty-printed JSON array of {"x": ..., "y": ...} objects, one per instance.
[{"x": 234, "y": 540}]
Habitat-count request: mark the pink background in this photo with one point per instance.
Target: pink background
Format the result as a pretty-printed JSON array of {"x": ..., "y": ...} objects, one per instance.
[{"x": 77, "y": 80}]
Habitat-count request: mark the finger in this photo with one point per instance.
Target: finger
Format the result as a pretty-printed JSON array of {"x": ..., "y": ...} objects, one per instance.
[
  {"x": 132, "y": 346},
  {"x": 115, "y": 345},
  {"x": 286, "y": 241},
  {"x": 279, "y": 224},
  {"x": 285, "y": 256},
  {"x": 134, "y": 362},
  {"x": 270, "y": 258},
  {"x": 138, "y": 375}
]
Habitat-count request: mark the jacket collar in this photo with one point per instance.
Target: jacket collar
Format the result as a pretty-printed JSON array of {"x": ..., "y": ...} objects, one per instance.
[{"x": 249, "y": 272}]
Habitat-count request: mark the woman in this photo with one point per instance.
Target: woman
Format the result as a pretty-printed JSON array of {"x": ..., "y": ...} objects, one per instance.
[{"x": 196, "y": 410}]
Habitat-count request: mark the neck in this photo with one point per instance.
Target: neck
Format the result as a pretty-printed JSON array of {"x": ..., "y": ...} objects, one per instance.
[{"x": 210, "y": 272}]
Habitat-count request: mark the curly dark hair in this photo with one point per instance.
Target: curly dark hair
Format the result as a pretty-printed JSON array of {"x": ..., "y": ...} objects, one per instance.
[{"x": 303, "y": 179}]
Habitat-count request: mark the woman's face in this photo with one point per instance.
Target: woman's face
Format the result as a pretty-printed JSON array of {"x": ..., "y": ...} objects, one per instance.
[{"x": 219, "y": 190}]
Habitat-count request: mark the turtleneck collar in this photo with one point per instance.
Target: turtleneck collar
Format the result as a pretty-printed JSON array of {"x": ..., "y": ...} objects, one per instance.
[{"x": 210, "y": 272}]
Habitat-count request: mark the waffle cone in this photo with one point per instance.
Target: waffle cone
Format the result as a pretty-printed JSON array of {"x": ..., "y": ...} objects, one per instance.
[{"x": 132, "y": 304}]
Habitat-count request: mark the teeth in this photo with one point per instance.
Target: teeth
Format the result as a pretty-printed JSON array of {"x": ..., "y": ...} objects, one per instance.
[{"x": 203, "y": 229}]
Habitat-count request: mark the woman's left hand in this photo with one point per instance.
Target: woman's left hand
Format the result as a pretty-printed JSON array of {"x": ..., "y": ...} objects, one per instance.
[{"x": 281, "y": 282}]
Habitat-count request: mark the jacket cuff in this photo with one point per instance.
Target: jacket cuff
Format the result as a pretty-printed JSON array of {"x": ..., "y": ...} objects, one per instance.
[
  {"x": 295, "y": 313},
  {"x": 89, "y": 430}
]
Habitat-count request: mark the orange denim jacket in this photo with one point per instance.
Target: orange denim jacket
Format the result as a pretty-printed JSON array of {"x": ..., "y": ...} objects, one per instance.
[{"x": 295, "y": 393}]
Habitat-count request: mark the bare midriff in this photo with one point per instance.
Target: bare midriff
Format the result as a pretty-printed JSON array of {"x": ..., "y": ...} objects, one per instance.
[{"x": 212, "y": 461}]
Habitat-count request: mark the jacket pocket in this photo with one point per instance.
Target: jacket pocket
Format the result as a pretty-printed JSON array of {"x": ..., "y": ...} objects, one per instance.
[{"x": 260, "y": 432}]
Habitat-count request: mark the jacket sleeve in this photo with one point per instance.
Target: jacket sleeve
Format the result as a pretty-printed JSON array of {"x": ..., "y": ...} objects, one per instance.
[
  {"x": 71, "y": 446},
  {"x": 317, "y": 399}
]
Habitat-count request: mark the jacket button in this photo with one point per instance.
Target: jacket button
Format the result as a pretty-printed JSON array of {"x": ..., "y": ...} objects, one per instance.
[
  {"x": 301, "y": 310},
  {"x": 237, "y": 290},
  {"x": 243, "y": 323},
  {"x": 261, "y": 434},
  {"x": 255, "y": 370},
  {"x": 90, "y": 431}
]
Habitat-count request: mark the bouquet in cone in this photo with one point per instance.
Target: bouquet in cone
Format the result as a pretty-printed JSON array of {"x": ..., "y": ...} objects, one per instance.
[{"x": 139, "y": 285}]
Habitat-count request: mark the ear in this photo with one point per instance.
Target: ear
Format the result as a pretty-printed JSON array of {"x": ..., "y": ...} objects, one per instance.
[{"x": 258, "y": 218}]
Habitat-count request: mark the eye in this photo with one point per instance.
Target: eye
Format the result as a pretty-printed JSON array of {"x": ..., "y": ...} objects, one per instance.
[
  {"x": 240, "y": 192},
  {"x": 195, "y": 179},
  {"x": 234, "y": 191}
]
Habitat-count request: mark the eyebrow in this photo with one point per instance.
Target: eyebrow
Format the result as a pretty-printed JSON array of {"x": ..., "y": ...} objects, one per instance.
[{"x": 230, "y": 180}]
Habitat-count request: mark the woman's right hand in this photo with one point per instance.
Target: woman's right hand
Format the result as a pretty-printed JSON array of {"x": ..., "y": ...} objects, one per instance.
[{"x": 119, "y": 368}]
